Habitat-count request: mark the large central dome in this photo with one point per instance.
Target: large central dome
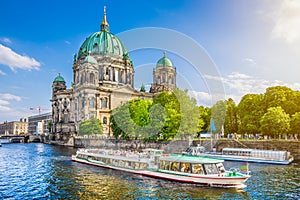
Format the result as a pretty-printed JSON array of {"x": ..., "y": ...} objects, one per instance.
[{"x": 103, "y": 43}]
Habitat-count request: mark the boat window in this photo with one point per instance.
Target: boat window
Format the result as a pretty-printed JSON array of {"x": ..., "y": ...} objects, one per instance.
[
  {"x": 197, "y": 168},
  {"x": 135, "y": 165},
  {"x": 165, "y": 165},
  {"x": 211, "y": 169},
  {"x": 121, "y": 163},
  {"x": 220, "y": 167},
  {"x": 143, "y": 165},
  {"x": 107, "y": 161},
  {"x": 175, "y": 166},
  {"x": 127, "y": 164},
  {"x": 185, "y": 167},
  {"x": 115, "y": 162}
]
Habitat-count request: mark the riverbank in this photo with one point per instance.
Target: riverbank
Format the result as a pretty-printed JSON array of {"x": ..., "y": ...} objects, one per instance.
[{"x": 178, "y": 146}]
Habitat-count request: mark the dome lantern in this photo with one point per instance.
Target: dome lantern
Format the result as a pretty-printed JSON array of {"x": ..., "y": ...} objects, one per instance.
[
  {"x": 164, "y": 62},
  {"x": 59, "y": 78},
  {"x": 103, "y": 43},
  {"x": 104, "y": 25}
]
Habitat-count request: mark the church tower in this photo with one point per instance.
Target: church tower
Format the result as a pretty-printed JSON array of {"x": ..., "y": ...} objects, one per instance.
[
  {"x": 58, "y": 84},
  {"x": 164, "y": 76}
]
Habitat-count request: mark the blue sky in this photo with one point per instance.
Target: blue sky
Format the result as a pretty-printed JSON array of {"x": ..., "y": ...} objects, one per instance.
[{"x": 253, "y": 44}]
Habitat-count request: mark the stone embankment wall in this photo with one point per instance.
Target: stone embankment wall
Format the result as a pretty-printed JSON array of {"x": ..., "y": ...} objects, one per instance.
[
  {"x": 291, "y": 146},
  {"x": 179, "y": 146},
  {"x": 96, "y": 142}
]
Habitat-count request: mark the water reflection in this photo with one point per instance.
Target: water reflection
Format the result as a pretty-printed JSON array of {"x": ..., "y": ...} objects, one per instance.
[{"x": 46, "y": 172}]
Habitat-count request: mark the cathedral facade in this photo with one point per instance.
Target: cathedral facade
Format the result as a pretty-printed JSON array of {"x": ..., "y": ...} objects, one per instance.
[{"x": 103, "y": 79}]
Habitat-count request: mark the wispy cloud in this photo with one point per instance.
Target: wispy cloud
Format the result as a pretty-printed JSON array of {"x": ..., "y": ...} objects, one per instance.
[
  {"x": 16, "y": 61},
  {"x": 5, "y": 101},
  {"x": 6, "y": 40},
  {"x": 2, "y": 73},
  {"x": 203, "y": 98},
  {"x": 238, "y": 84},
  {"x": 8, "y": 96},
  {"x": 249, "y": 61},
  {"x": 287, "y": 21},
  {"x": 67, "y": 42}
]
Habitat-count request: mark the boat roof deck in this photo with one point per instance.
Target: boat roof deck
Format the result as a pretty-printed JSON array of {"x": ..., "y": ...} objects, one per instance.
[
  {"x": 190, "y": 159},
  {"x": 250, "y": 150}
]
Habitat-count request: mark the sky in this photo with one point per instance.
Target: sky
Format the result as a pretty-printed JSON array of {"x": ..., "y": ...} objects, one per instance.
[{"x": 245, "y": 45}]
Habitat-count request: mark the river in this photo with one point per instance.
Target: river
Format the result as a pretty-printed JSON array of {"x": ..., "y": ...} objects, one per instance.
[{"x": 41, "y": 171}]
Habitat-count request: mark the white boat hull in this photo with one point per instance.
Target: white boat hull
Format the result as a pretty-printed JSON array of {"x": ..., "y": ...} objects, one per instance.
[{"x": 208, "y": 180}]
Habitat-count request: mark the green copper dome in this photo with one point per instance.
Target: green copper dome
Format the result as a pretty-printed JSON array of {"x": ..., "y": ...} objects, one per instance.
[
  {"x": 90, "y": 59},
  {"x": 164, "y": 62},
  {"x": 59, "y": 78},
  {"x": 103, "y": 43}
]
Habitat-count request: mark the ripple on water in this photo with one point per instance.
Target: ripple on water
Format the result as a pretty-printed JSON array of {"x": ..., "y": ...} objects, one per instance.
[{"x": 46, "y": 172}]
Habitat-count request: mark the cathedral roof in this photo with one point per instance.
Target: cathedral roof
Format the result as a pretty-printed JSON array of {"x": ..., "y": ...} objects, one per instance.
[
  {"x": 90, "y": 59},
  {"x": 103, "y": 43},
  {"x": 164, "y": 62},
  {"x": 59, "y": 78}
]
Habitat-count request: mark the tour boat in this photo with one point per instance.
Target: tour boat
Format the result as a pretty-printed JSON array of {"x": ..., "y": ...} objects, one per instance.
[
  {"x": 245, "y": 155},
  {"x": 198, "y": 170}
]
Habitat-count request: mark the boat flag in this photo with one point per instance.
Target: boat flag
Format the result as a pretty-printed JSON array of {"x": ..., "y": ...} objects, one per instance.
[
  {"x": 244, "y": 167},
  {"x": 212, "y": 125}
]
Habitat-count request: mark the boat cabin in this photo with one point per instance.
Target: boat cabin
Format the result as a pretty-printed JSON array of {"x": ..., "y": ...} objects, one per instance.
[
  {"x": 256, "y": 153},
  {"x": 191, "y": 164}
]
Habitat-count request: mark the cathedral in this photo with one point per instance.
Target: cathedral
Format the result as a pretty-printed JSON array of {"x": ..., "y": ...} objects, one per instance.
[{"x": 103, "y": 79}]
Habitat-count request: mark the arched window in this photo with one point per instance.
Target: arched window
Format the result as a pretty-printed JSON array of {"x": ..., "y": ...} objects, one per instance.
[
  {"x": 104, "y": 102},
  {"x": 104, "y": 120},
  {"x": 92, "y": 103},
  {"x": 92, "y": 78}
]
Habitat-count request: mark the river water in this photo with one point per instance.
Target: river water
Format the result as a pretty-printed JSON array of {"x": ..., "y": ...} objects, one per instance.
[{"x": 41, "y": 171}]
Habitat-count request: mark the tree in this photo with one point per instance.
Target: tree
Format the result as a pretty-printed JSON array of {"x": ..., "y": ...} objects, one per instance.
[
  {"x": 282, "y": 96},
  {"x": 49, "y": 125},
  {"x": 218, "y": 113},
  {"x": 231, "y": 119},
  {"x": 121, "y": 122},
  {"x": 90, "y": 127},
  {"x": 204, "y": 119},
  {"x": 138, "y": 119},
  {"x": 295, "y": 124},
  {"x": 250, "y": 111},
  {"x": 275, "y": 122},
  {"x": 189, "y": 113}
]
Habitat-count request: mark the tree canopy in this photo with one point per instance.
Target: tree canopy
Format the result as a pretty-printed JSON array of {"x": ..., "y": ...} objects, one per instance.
[
  {"x": 90, "y": 127},
  {"x": 275, "y": 122},
  {"x": 169, "y": 115}
]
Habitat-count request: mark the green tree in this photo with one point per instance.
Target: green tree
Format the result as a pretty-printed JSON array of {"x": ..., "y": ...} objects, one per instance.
[
  {"x": 182, "y": 114},
  {"x": 275, "y": 122},
  {"x": 138, "y": 119},
  {"x": 189, "y": 113},
  {"x": 49, "y": 125},
  {"x": 250, "y": 111},
  {"x": 284, "y": 97},
  {"x": 295, "y": 124},
  {"x": 204, "y": 119},
  {"x": 90, "y": 127},
  {"x": 121, "y": 122},
  {"x": 218, "y": 113},
  {"x": 231, "y": 119}
]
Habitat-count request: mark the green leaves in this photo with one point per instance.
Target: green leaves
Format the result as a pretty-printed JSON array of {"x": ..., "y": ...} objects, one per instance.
[
  {"x": 90, "y": 127},
  {"x": 169, "y": 115},
  {"x": 275, "y": 122}
]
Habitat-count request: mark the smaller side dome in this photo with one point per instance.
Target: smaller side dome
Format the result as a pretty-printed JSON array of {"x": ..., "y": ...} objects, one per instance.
[
  {"x": 164, "y": 62},
  {"x": 90, "y": 59},
  {"x": 59, "y": 78}
]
